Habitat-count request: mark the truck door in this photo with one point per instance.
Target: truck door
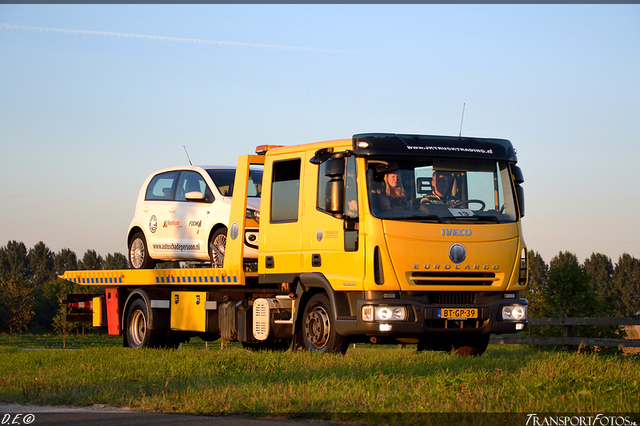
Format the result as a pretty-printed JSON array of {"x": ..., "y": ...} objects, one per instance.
[
  {"x": 333, "y": 246},
  {"x": 280, "y": 242}
]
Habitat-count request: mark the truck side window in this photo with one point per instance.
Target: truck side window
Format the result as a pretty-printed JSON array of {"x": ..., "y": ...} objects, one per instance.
[
  {"x": 285, "y": 190},
  {"x": 351, "y": 190}
]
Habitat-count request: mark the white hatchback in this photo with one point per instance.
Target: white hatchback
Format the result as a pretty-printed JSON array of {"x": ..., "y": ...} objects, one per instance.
[{"x": 182, "y": 214}]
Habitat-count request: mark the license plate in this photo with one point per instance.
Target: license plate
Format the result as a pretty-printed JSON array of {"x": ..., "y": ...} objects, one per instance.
[{"x": 457, "y": 313}]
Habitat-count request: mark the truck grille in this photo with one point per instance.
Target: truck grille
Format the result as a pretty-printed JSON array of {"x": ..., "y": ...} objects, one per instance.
[
  {"x": 453, "y": 278},
  {"x": 457, "y": 298}
]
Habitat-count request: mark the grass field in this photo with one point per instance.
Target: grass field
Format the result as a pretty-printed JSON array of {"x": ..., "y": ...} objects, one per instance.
[{"x": 379, "y": 380}]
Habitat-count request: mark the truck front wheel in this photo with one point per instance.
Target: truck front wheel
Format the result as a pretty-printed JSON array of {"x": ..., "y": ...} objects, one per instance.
[
  {"x": 318, "y": 328},
  {"x": 472, "y": 346}
]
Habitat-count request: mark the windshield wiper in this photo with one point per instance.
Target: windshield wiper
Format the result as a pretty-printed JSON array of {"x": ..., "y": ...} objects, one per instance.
[
  {"x": 419, "y": 217},
  {"x": 487, "y": 217}
]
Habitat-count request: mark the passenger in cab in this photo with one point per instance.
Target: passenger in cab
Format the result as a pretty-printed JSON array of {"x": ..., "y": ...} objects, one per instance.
[
  {"x": 441, "y": 185},
  {"x": 394, "y": 196}
]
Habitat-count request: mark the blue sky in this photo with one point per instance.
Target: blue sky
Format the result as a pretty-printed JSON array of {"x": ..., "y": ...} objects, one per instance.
[{"x": 93, "y": 98}]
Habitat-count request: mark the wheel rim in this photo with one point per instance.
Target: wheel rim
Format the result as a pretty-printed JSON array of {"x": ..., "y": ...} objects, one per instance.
[
  {"x": 137, "y": 328},
  {"x": 317, "y": 327},
  {"x": 137, "y": 253},
  {"x": 220, "y": 242}
]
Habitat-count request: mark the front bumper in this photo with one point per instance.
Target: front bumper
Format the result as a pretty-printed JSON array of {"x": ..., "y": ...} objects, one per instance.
[{"x": 422, "y": 316}]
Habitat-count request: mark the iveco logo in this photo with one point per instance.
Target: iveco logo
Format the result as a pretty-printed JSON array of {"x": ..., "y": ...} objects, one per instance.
[{"x": 457, "y": 253}]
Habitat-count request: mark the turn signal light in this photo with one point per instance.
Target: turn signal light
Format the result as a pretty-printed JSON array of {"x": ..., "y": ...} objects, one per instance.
[{"x": 262, "y": 149}]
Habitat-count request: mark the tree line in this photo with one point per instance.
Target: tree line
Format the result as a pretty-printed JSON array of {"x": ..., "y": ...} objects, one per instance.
[
  {"x": 31, "y": 289},
  {"x": 595, "y": 288}
]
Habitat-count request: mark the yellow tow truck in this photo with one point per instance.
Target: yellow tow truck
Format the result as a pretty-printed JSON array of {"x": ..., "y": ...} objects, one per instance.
[{"x": 380, "y": 238}]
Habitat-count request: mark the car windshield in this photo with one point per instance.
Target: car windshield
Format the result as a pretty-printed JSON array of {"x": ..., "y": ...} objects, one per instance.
[
  {"x": 441, "y": 190},
  {"x": 224, "y": 179}
]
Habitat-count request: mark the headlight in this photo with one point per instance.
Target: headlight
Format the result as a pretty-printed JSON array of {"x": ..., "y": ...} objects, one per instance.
[
  {"x": 253, "y": 214},
  {"x": 367, "y": 313},
  {"x": 383, "y": 313},
  {"x": 514, "y": 312}
]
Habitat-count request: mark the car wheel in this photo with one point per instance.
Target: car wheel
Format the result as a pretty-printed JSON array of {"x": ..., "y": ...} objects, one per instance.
[
  {"x": 219, "y": 240},
  {"x": 139, "y": 254}
]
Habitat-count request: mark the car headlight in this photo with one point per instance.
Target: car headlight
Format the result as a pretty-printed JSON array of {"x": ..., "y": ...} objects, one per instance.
[
  {"x": 514, "y": 312},
  {"x": 253, "y": 214},
  {"x": 383, "y": 313}
]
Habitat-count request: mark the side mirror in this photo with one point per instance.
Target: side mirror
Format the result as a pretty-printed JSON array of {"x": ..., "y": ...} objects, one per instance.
[
  {"x": 334, "y": 198},
  {"x": 334, "y": 194},
  {"x": 334, "y": 168},
  {"x": 518, "y": 179},
  {"x": 194, "y": 196},
  {"x": 520, "y": 197}
]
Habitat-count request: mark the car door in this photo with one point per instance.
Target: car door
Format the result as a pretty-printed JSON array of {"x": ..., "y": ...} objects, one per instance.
[
  {"x": 156, "y": 212},
  {"x": 188, "y": 232}
]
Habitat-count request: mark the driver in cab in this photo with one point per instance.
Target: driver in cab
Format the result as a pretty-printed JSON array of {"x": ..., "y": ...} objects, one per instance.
[{"x": 441, "y": 184}]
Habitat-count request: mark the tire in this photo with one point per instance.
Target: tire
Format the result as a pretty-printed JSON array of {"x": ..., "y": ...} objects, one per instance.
[
  {"x": 318, "y": 331},
  {"x": 139, "y": 254},
  {"x": 138, "y": 334},
  {"x": 471, "y": 346},
  {"x": 219, "y": 239}
]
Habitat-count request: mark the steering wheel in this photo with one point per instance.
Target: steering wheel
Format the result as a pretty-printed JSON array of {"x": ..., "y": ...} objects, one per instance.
[{"x": 461, "y": 203}]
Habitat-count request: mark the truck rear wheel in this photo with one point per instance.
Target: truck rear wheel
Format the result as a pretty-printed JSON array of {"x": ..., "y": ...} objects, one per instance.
[
  {"x": 318, "y": 327},
  {"x": 139, "y": 254},
  {"x": 138, "y": 333}
]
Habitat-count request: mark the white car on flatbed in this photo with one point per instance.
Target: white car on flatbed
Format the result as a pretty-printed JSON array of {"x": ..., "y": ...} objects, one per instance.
[{"x": 182, "y": 214}]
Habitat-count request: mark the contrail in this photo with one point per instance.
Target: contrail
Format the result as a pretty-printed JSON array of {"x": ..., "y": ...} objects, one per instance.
[{"x": 163, "y": 38}]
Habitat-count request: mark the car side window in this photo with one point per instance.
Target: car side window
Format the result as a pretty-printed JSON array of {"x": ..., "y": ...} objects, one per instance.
[
  {"x": 189, "y": 182},
  {"x": 162, "y": 186}
]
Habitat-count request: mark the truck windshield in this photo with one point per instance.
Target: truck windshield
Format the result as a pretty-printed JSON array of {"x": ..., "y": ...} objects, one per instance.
[{"x": 441, "y": 190}]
